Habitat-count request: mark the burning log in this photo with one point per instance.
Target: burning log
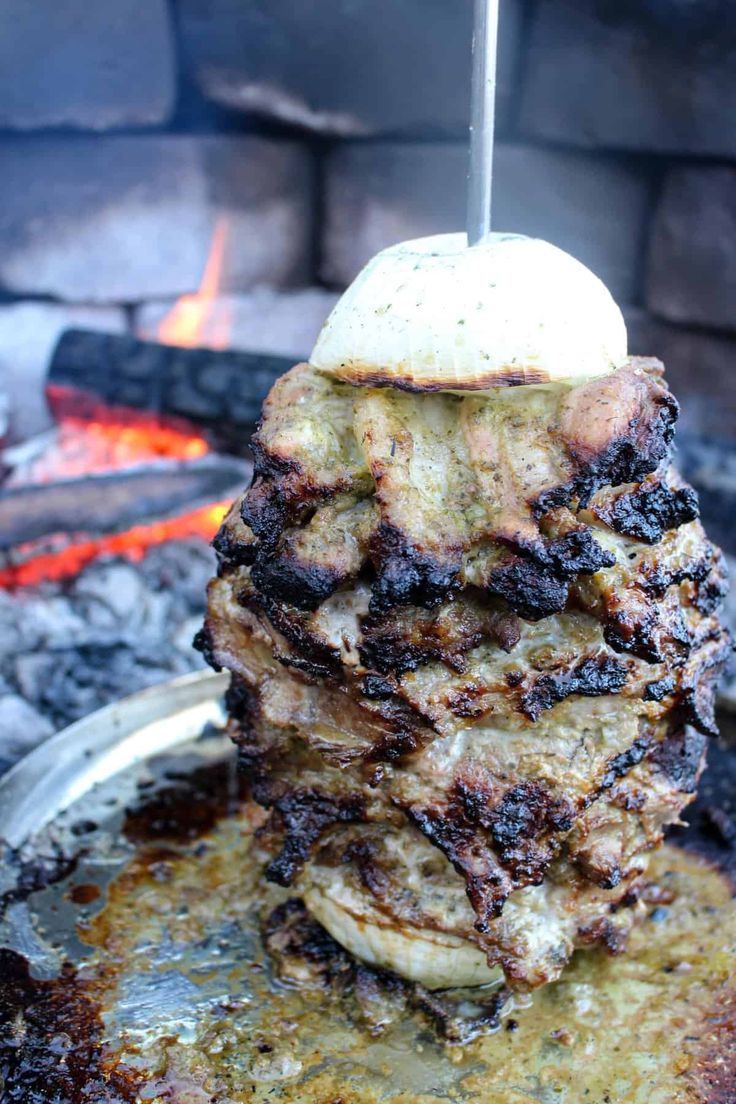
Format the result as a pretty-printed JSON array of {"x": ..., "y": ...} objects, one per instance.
[
  {"x": 108, "y": 481},
  {"x": 111, "y": 502},
  {"x": 221, "y": 390}
]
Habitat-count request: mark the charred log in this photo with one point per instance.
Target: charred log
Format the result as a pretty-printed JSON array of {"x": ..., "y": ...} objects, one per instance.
[{"x": 223, "y": 390}]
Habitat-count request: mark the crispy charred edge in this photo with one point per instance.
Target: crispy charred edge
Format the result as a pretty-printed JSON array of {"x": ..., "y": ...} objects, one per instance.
[
  {"x": 290, "y": 578},
  {"x": 204, "y": 643},
  {"x": 636, "y": 452},
  {"x": 524, "y": 813},
  {"x": 487, "y": 885},
  {"x": 273, "y": 496},
  {"x": 306, "y": 955},
  {"x": 231, "y": 549},
  {"x": 538, "y": 586},
  {"x": 696, "y": 694},
  {"x": 407, "y": 575},
  {"x": 398, "y": 728},
  {"x": 641, "y": 627},
  {"x": 679, "y": 760},
  {"x": 710, "y": 591},
  {"x": 639, "y": 630},
  {"x": 403, "y": 738},
  {"x": 534, "y": 582},
  {"x": 658, "y": 690},
  {"x": 620, "y": 765},
  {"x": 680, "y": 757},
  {"x": 496, "y": 848},
  {"x": 388, "y": 653},
  {"x": 296, "y": 576},
  {"x": 649, "y": 511},
  {"x": 387, "y": 648},
  {"x": 366, "y": 376},
  {"x": 656, "y": 578},
  {"x": 311, "y": 655},
  {"x": 240, "y": 700},
  {"x": 282, "y": 491},
  {"x": 530, "y": 590},
  {"x": 526, "y": 810},
  {"x": 592, "y": 677},
  {"x": 300, "y": 817},
  {"x": 693, "y": 676},
  {"x": 644, "y": 634}
]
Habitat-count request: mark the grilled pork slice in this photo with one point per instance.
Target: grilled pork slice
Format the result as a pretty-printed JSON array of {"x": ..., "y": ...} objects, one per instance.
[
  {"x": 495, "y": 832},
  {"x": 474, "y": 643}
]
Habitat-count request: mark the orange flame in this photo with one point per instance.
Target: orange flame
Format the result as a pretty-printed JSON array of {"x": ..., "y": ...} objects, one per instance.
[
  {"x": 94, "y": 438},
  {"x": 114, "y": 439},
  {"x": 200, "y": 319},
  {"x": 133, "y": 544}
]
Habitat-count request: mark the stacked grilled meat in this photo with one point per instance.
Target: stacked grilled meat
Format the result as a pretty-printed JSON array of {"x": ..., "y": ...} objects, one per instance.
[{"x": 473, "y": 644}]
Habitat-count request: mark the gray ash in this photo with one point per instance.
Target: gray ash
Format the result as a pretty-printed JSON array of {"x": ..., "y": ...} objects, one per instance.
[{"x": 68, "y": 648}]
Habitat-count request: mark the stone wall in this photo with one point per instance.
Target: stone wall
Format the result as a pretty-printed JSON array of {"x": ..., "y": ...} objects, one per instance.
[{"x": 325, "y": 129}]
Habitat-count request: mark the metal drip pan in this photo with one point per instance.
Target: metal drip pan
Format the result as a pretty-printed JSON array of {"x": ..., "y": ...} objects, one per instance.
[
  {"x": 108, "y": 742},
  {"x": 133, "y": 965}
]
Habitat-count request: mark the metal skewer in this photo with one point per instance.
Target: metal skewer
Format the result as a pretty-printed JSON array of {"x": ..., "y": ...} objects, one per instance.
[{"x": 482, "y": 119}]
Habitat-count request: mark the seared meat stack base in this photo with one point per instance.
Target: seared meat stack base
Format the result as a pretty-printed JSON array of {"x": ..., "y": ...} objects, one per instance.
[{"x": 474, "y": 642}]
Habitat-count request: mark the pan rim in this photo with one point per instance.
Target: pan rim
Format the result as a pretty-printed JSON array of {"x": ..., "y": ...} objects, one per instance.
[{"x": 44, "y": 783}]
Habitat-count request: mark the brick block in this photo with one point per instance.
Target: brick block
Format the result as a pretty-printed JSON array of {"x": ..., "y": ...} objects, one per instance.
[
  {"x": 350, "y": 67},
  {"x": 632, "y": 75},
  {"x": 91, "y": 65},
  {"x": 692, "y": 256},
  {"x": 378, "y": 194},
  {"x": 128, "y": 218},
  {"x": 28, "y": 334}
]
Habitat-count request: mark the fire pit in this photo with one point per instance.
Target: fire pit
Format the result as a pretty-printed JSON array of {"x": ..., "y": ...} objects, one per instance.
[{"x": 106, "y": 518}]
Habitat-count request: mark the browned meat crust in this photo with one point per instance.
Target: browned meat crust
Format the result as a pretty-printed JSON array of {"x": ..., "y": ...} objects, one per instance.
[
  {"x": 487, "y": 624},
  {"x": 646, "y": 511},
  {"x": 323, "y": 446}
]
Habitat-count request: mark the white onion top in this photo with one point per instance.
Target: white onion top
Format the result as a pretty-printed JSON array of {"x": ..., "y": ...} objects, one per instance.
[{"x": 434, "y": 315}]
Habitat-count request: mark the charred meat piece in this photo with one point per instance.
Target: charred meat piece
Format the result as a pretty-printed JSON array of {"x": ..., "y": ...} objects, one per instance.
[{"x": 474, "y": 642}]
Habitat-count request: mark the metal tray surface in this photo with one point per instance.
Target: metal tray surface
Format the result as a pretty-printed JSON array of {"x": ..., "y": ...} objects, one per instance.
[
  {"x": 114, "y": 739},
  {"x": 132, "y": 963}
]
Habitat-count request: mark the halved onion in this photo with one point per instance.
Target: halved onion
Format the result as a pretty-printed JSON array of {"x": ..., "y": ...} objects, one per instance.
[
  {"x": 435, "y": 315},
  {"x": 438, "y": 960}
]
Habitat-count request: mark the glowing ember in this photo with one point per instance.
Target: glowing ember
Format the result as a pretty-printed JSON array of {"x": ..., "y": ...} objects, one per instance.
[
  {"x": 69, "y": 559},
  {"x": 198, "y": 319},
  {"x": 92, "y": 438}
]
